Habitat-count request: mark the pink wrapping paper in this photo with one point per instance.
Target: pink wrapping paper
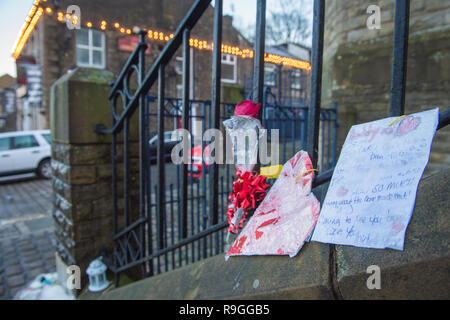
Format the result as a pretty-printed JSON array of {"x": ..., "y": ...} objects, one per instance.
[{"x": 285, "y": 218}]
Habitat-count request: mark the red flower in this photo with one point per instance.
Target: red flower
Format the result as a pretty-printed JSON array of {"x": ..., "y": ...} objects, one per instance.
[
  {"x": 247, "y": 108},
  {"x": 248, "y": 190}
]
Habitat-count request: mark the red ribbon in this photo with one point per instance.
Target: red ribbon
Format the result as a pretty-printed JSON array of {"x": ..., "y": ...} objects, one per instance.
[{"x": 248, "y": 190}]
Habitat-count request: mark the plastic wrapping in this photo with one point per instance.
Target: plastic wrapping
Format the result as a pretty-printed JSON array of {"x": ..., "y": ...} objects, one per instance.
[
  {"x": 286, "y": 217},
  {"x": 248, "y": 188},
  {"x": 244, "y": 134},
  {"x": 44, "y": 287}
]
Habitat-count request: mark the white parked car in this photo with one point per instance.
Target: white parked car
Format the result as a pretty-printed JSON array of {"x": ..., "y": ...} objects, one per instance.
[{"x": 25, "y": 152}]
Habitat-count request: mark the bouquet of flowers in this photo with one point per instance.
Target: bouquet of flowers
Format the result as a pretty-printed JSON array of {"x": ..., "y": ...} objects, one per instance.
[
  {"x": 249, "y": 188},
  {"x": 284, "y": 220}
]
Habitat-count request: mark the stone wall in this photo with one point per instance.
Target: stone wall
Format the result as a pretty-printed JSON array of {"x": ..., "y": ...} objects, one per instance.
[
  {"x": 322, "y": 271},
  {"x": 357, "y": 65},
  {"x": 82, "y": 169}
]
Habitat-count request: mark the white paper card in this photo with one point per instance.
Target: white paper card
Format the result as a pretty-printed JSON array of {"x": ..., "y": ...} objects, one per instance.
[{"x": 371, "y": 196}]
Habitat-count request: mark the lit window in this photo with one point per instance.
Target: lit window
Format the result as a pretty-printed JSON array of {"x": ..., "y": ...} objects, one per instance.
[
  {"x": 90, "y": 48},
  {"x": 229, "y": 70}
]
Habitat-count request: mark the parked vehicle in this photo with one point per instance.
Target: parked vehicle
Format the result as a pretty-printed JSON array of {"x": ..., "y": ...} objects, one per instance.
[
  {"x": 169, "y": 143},
  {"x": 167, "y": 138},
  {"x": 25, "y": 152},
  {"x": 195, "y": 168}
]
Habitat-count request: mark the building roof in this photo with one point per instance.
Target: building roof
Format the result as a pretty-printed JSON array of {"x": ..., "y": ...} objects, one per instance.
[
  {"x": 7, "y": 81},
  {"x": 298, "y": 51},
  {"x": 279, "y": 51}
]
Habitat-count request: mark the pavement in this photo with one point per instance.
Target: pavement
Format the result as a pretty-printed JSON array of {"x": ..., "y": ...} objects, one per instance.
[{"x": 27, "y": 242}]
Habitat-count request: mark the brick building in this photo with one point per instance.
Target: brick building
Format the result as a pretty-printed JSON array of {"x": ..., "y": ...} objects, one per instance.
[
  {"x": 7, "y": 103},
  {"x": 49, "y": 46}
]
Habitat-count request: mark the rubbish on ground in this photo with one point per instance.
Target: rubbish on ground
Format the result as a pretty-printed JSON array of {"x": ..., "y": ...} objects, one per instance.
[{"x": 44, "y": 287}]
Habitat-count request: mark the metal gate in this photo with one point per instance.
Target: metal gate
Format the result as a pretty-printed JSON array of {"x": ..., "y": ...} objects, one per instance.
[{"x": 168, "y": 224}]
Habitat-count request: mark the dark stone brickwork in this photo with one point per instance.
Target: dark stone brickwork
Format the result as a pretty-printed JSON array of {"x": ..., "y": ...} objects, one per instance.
[{"x": 357, "y": 65}]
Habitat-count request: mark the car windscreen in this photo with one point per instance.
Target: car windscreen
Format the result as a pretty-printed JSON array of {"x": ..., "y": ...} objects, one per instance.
[{"x": 47, "y": 138}]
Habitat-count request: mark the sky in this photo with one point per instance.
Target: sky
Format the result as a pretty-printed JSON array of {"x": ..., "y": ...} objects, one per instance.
[
  {"x": 244, "y": 12},
  {"x": 14, "y": 12},
  {"x": 12, "y": 18}
]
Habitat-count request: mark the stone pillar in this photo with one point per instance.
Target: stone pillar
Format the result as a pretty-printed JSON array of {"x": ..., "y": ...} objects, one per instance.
[
  {"x": 357, "y": 66},
  {"x": 81, "y": 162}
]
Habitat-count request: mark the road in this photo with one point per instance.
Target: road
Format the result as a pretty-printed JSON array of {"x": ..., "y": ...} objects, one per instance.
[{"x": 27, "y": 243}]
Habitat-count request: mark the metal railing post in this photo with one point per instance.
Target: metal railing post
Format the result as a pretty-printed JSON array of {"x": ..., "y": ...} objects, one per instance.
[
  {"x": 335, "y": 126},
  {"x": 161, "y": 162},
  {"x": 114, "y": 189},
  {"x": 143, "y": 145},
  {"x": 185, "y": 125},
  {"x": 215, "y": 108},
  {"x": 400, "y": 58},
  {"x": 258, "y": 69},
  {"x": 316, "y": 81}
]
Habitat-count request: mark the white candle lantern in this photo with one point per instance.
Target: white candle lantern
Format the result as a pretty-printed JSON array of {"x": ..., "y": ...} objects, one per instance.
[{"x": 97, "y": 276}]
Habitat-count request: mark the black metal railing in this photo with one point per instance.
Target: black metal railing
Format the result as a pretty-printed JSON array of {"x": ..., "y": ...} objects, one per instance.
[
  {"x": 291, "y": 123},
  {"x": 174, "y": 222},
  {"x": 287, "y": 86}
]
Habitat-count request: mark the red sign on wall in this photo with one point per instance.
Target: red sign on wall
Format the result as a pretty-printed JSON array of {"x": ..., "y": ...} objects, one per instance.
[
  {"x": 21, "y": 65},
  {"x": 129, "y": 43}
]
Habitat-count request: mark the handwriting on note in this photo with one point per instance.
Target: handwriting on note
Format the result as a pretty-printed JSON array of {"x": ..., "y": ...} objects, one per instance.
[{"x": 371, "y": 196}]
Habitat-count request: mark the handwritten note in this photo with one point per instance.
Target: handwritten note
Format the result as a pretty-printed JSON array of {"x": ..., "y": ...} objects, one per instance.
[{"x": 371, "y": 196}]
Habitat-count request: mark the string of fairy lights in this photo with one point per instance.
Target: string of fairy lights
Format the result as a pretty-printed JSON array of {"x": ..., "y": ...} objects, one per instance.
[{"x": 39, "y": 9}]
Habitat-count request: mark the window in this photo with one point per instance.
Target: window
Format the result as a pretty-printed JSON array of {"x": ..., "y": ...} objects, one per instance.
[
  {"x": 47, "y": 138},
  {"x": 296, "y": 80},
  {"x": 179, "y": 91},
  {"x": 90, "y": 48},
  {"x": 21, "y": 142},
  {"x": 179, "y": 65},
  {"x": 229, "y": 71},
  {"x": 4, "y": 144},
  {"x": 269, "y": 75}
]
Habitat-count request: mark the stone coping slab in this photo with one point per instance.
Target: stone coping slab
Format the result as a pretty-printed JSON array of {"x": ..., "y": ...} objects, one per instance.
[
  {"x": 305, "y": 276},
  {"x": 421, "y": 270},
  {"x": 323, "y": 271}
]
